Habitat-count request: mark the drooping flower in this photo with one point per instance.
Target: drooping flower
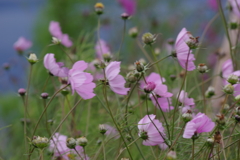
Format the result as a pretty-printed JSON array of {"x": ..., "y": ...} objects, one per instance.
[
  {"x": 183, "y": 52},
  {"x": 22, "y": 44},
  {"x": 55, "y": 68},
  {"x": 199, "y": 124},
  {"x": 183, "y": 98},
  {"x": 102, "y": 48},
  {"x": 59, "y": 148},
  {"x": 148, "y": 131},
  {"x": 129, "y": 6},
  {"x": 55, "y": 30},
  {"x": 80, "y": 81},
  {"x": 115, "y": 80}
]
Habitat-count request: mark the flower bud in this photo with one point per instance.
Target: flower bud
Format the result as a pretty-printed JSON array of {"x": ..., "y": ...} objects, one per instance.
[
  {"x": 170, "y": 41},
  {"x": 102, "y": 129},
  {"x": 157, "y": 51},
  {"x": 210, "y": 141},
  {"x": 228, "y": 89},
  {"x": 192, "y": 42},
  {"x": 44, "y": 95},
  {"x": 40, "y": 142},
  {"x": 187, "y": 116},
  {"x": 210, "y": 92},
  {"x": 233, "y": 25},
  {"x": 56, "y": 40},
  {"x": 202, "y": 68},
  {"x": 102, "y": 65},
  {"x": 148, "y": 38},
  {"x": 237, "y": 99},
  {"x": 99, "y": 8},
  {"x": 237, "y": 118},
  {"x": 149, "y": 87},
  {"x": 107, "y": 57},
  {"x": 28, "y": 121},
  {"x": 173, "y": 77},
  {"x": 22, "y": 92},
  {"x": 139, "y": 66},
  {"x": 82, "y": 141},
  {"x": 131, "y": 77},
  {"x": 133, "y": 32},
  {"x": 225, "y": 108},
  {"x": 99, "y": 142},
  {"x": 125, "y": 16},
  {"x": 217, "y": 137},
  {"x": 171, "y": 155},
  {"x": 71, "y": 143},
  {"x": 221, "y": 121},
  {"x": 128, "y": 137},
  {"x": 233, "y": 79},
  {"x": 6, "y": 66},
  {"x": 32, "y": 59},
  {"x": 50, "y": 122},
  {"x": 238, "y": 110}
]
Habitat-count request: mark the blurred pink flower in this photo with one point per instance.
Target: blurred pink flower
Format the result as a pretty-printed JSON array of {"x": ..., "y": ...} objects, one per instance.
[
  {"x": 80, "y": 81},
  {"x": 116, "y": 81},
  {"x": 111, "y": 131},
  {"x": 101, "y": 48},
  {"x": 182, "y": 51},
  {"x": 129, "y": 6},
  {"x": 149, "y": 133},
  {"x": 213, "y": 4},
  {"x": 227, "y": 68},
  {"x": 183, "y": 98},
  {"x": 55, "y": 68},
  {"x": 235, "y": 7},
  {"x": 22, "y": 44},
  {"x": 55, "y": 30},
  {"x": 59, "y": 148},
  {"x": 164, "y": 103},
  {"x": 200, "y": 123}
]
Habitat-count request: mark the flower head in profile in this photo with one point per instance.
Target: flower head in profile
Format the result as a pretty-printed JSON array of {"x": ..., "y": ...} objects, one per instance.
[
  {"x": 102, "y": 49},
  {"x": 199, "y": 124},
  {"x": 55, "y": 68},
  {"x": 182, "y": 50},
  {"x": 129, "y": 6},
  {"x": 55, "y": 30},
  {"x": 22, "y": 44},
  {"x": 148, "y": 131},
  {"x": 60, "y": 150},
  {"x": 235, "y": 7},
  {"x": 80, "y": 81},
  {"x": 183, "y": 98},
  {"x": 115, "y": 80}
]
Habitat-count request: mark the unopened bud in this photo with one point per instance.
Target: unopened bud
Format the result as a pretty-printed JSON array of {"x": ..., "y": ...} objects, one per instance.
[
  {"x": 170, "y": 41},
  {"x": 192, "y": 42},
  {"x": 210, "y": 141},
  {"x": 128, "y": 137},
  {"x": 50, "y": 122},
  {"x": 237, "y": 118},
  {"x": 228, "y": 89},
  {"x": 131, "y": 77},
  {"x": 238, "y": 110},
  {"x": 23, "y": 120},
  {"x": 56, "y": 40},
  {"x": 125, "y": 16},
  {"x": 217, "y": 137},
  {"x": 149, "y": 87},
  {"x": 32, "y": 59},
  {"x": 71, "y": 143},
  {"x": 233, "y": 25},
  {"x": 102, "y": 65},
  {"x": 210, "y": 92},
  {"x": 133, "y": 32},
  {"x": 6, "y": 66},
  {"x": 221, "y": 121},
  {"x": 187, "y": 116},
  {"x": 225, "y": 108},
  {"x": 99, "y": 8},
  {"x": 139, "y": 66},
  {"x": 171, "y": 155},
  {"x": 202, "y": 68},
  {"x": 148, "y": 38},
  {"x": 173, "y": 77},
  {"x": 233, "y": 79},
  {"x": 40, "y": 142},
  {"x": 107, "y": 57},
  {"x": 102, "y": 129},
  {"x": 237, "y": 99},
  {"x": 157, "y": 51},
  {"x": 44, "y": 95},
  {"x": 82, "y": 141},
  {"x": 22, "y": 92}
]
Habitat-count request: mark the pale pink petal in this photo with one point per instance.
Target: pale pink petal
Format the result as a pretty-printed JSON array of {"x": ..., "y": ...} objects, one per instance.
[
  {"x": 129, "y": 6},
  {"x": 22, "y": 44},
  {"x": 80, "y": 65},
  {"x": 112, "y": 70},
  {"x": 65, "y": 40},
  {"x": 55, "y": 29},
  {"x": 189, "y": 130}
]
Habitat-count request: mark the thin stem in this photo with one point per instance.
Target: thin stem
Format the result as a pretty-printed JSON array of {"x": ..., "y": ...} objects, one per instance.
[
  {"x": 66, "y": 53},
  {"x": 84, "y": 151},
  {"x": 193, "y": 149},
  {"x": 203, "y": 94},
  {"x": 144, "y": 52},
  {"x": 46, "y": 82},
  {"x": 25, "y": 124},
  {"x": 123, "y": 35},
  {"x": 28, "y": 87},
  {"x": 224, "y": 102},
  {"x": 158, "y": 61},
  {"x": 78, "y": 154},
  {"x": 104, "y": 154}
]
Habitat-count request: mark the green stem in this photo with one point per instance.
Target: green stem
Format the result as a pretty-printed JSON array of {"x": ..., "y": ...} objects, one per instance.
[
  {"x": 193, "y": 149},
  {"x": 104, "y": 154},
  {"x": 66, "y": 53},
  {"x": 78, "y": 154},
  {"x": 124, "y": 30},
  {"x": 28, "y": 87},
  {"x": 158, "y": 61}
]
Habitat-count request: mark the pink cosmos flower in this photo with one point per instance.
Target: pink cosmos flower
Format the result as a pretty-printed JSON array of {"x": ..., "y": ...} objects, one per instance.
[
  {"x": 22, "y": 44},
  {"x": 55, "y": 30},
  {"x": 200, "y": 123},
  {"x": 116, "y": 81},
  {"x": 235, "y": 5},
  {"x": 55, "y": 68},
  {"x": 182, "y": 50},
  {"x": 101, "y": 48},
  {"x": 227, "y": 68},
  {"x": 129, "y": 6},
  {"x": 59, "y": 148},
  {"x": 183, "y": 98},
  {"x": 149, "y": 133},
  {"x": 80, "y": 81},
  {"x": 111, "y": 131}
]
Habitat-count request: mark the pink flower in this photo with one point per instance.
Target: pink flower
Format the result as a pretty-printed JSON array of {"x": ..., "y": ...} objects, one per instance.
[
  {"x": 55, "y": 30},
  {"x": 149, "y": 133},
  {"x": 101, "y": 48},
  {"x": 80, "y": 81},
  {"x": 235, "y": 4},
  {"x": 116, "y": 81},
  {"x": 213, "y": 4},
  {"x": 183, "y": 98},
  {"x": 227, "y": 68},
  {"x": 55, "y": 68},
  {"x": 59, "y": 148},
  {"x": 182, "y": 50},
  {"x": 22, "y": 44},
  {"x": 129, "y": 6},
  {"x": 111, "y": 131},
  {"x": 200, "y": 123},
  {"x": 164, "y": 103},
  {"x": 149, "y": 87}
]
